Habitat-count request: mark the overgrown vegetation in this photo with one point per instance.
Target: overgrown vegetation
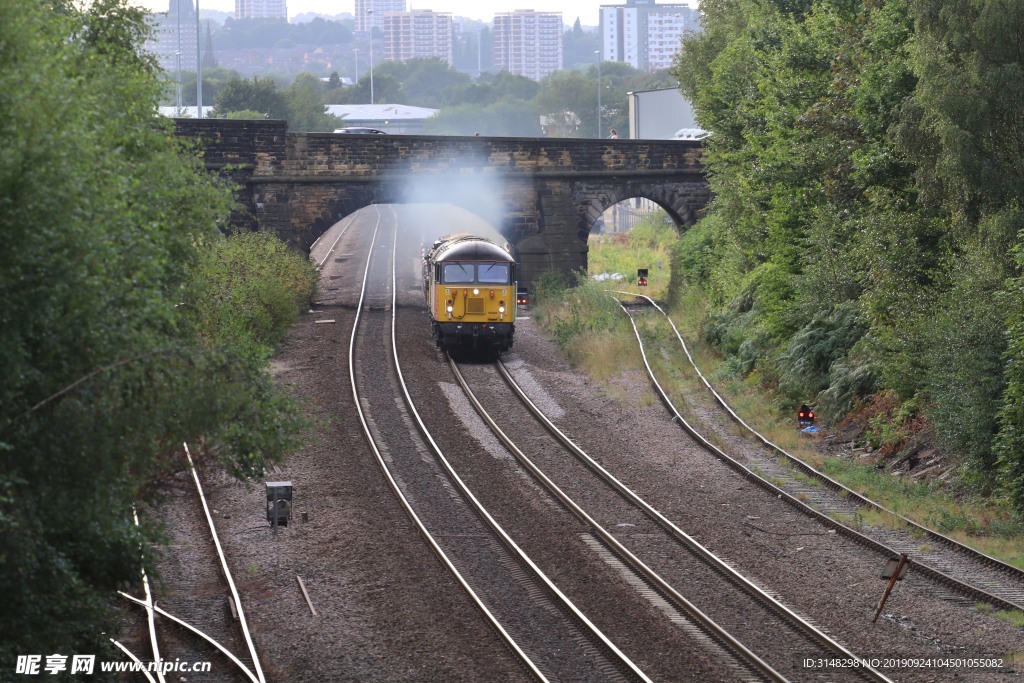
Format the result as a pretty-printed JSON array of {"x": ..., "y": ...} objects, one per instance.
[
  {"x": 865, "y": 236},
  {"x": 128, "y": 323},
  {"x": 647, "y": 245},
  {"x": 604, "y": 349},
  {"x": 586, "y": 323},
  {"x": 248, "y": 290}
]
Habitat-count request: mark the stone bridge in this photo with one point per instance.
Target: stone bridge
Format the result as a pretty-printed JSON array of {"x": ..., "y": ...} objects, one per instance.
[{"x": 543, "y": 194}]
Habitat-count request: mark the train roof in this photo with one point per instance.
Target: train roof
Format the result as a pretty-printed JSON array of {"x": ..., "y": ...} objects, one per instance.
[{"x": 472, "y": 249}]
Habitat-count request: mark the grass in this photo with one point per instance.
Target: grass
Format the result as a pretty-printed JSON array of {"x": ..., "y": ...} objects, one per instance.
[
  {"x": 984, "y": 525},
  {"x": 1015, "y": 617},
  {"x": 648, "y": 244},
  {"x": 598, "y": 340}
]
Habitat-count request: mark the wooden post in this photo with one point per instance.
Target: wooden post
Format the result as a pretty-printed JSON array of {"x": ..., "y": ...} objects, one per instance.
[
  {"x": 896, "y": 576},
  {"x": 305, "y": 594}
]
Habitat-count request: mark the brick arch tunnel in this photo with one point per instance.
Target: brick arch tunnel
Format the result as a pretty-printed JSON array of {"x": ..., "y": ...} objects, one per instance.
[{"x": 543, "y": 194}]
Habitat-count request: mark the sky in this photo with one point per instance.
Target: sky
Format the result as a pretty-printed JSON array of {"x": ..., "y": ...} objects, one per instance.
[{"x": 586, "y": 10}]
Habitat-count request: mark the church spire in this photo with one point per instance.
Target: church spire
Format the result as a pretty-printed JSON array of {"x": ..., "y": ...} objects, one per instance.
[{"x": 209, "y": 59}]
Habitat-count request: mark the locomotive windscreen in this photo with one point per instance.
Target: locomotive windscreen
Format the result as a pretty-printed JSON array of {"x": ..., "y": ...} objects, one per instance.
[
  {"x": 493, "y": 273},
  {"x": 458, "y": 272}
]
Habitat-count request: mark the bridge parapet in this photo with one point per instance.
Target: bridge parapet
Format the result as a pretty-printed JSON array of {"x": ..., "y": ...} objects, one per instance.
[{"x": 543, "y": 193}]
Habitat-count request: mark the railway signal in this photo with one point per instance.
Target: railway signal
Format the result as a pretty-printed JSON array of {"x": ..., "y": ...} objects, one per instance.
[
  {"x": 279, "y": 503},
  {"x": 805, "y": 416},
  {"x": 641, "y": 277}
]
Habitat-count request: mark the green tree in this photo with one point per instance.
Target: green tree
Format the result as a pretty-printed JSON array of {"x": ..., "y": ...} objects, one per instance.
[
  {"x": 568, "y": 100},
  {"x": 102, "y": 372},
  {"x": 423, "y": 81},
  {"x": 214, "y": 80},
  {"x": 966, "y": 135},
  {"x": 242, "y": 34},
  {"x": 866, "y": 164},
  {"x": 307, "y": 110},
  {"x": 259, "y": 94},
  {"x": 579, "y": 46},
  {"x": 507, "y": 117}
]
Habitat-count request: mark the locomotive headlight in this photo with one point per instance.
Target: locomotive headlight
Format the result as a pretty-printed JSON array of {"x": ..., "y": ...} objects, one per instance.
[
  {"x": 475, "y": 292},
  {"x": 450, "y": 308},
  {"x": 501, "y": 309}
]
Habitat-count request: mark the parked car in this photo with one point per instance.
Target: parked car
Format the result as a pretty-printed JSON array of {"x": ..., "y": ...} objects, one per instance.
[
  {"x": 690, "y": 134},
  {"x": 355, "y": 130}
]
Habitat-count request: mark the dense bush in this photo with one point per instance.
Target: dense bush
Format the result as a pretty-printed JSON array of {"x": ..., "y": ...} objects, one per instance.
[
  {"x": 103, "y": 371},
  {"x": 866, "y": 160},
  {"x": 248, "y": 289}
]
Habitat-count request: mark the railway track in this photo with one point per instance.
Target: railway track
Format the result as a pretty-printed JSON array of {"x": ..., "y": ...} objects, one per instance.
[
  {"x": 725, "y": 608},
  {"x": 966, "y": 574},
  {"x": 196, "y": 631},
  {"x": 550, "y": 637}
]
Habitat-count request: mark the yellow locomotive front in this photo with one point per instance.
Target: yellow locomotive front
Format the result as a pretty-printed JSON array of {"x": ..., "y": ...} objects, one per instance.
[{"x": 471, "y": 292}]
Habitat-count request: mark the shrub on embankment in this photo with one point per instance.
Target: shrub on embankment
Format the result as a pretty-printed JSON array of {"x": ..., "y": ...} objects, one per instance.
[
  {"x": 249, "y": 289},
  {"x": 865, "y": 237},
  {"x": 107, "y": 224}
]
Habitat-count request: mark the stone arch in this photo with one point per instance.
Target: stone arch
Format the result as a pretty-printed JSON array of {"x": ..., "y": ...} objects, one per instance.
[
  {"x": 549, "y": 192},
  {"x": 683, "y": 202}
]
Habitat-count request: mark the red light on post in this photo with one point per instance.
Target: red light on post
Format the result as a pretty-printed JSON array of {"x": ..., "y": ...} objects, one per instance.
[{"x": 805, "y": 416}]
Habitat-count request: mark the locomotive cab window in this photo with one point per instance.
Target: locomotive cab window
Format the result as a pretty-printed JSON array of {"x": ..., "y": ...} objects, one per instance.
[
  {"x": 493, "y": 273},
  {"x": 458, "y": 273}
]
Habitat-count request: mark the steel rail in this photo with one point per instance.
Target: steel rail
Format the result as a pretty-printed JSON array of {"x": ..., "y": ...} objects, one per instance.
[
  {"x": 662, "y": 586},
  {"x": 149, "y": 612},
  {"x": 227, "y": 572},
  {"x": 577, "y": 614},
  {"x": 520, "y": 555},
  {"x": 131, "y": 656},
  {"x": 331, "y": 249},
  {"x": 184, "y": 624},
  {"x": 708, "y": 445},
  {"x": 936, "y": 574},
  {"x": 407, "y": 506},
  {"x": 669, "y": 526}
]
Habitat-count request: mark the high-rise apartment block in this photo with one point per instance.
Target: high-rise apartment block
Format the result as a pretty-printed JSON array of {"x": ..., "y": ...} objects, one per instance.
[
  {"x": 261, "y": 9},
  {"x": 419, "y": 33},
  {"x": 370, "y": 13},
  {"x": 174, "y": 34},
  {"x": 528, "y": 43},
  {"x": 643, "y": 34}
]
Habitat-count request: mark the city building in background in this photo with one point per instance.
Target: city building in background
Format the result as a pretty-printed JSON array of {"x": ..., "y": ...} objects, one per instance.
[
  {"x": 261, "y": 9},
  {"x": 164, "y": 42},
  {"x": 644, "y": 34},
  {"x": 419, "y": 33},
  {"x": 528, "y": 43},
  {"x": 370, "y": 13}
]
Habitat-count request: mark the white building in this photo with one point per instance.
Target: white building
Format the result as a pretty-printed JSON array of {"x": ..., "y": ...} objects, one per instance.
[
  {"x": 261, "y": 9},
  {"x": 419, "y": 33},
  {"x": 167, "y": 42},
  {"x": 528, "y": 43},
  {"x": 370, "y": 13},
  {"x": 390, "y": 118},
  {"x": 643, "y": 34},
  {"x": 661, "y": 114}
]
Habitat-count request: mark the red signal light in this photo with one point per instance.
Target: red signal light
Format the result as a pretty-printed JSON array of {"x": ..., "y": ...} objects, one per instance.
[{"x": 805, "y": 416}]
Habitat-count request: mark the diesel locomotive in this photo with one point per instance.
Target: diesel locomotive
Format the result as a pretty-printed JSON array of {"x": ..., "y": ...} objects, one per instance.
[{"x": 470, "y": 286}]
